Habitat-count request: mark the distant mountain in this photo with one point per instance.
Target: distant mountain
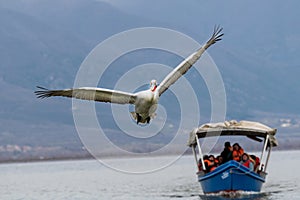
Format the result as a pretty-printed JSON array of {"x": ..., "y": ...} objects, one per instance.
[
  {"x": 44, "y": 43},
  {"x": 258, "y": 57}
]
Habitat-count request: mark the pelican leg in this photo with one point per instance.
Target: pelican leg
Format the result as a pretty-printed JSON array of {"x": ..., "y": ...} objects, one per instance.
[{"x": 148, "y": 120}]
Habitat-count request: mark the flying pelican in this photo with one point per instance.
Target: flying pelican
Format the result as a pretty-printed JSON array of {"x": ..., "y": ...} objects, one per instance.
[{"x": 146, "y": 101}]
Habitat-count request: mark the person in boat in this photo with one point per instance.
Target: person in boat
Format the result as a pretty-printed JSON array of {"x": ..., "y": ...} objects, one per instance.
[
  {"x": 200, "y": 167},
  {"x": 227, "y": 152},
  {"x": 209, "y": 163},
  {"x": 247, "y": 162},
  {"x": 219, "y": 160},
  {"x": 257, "y": 162},
  {"x": 237, "y": 152},
  {"x": 213, "y": 164}
]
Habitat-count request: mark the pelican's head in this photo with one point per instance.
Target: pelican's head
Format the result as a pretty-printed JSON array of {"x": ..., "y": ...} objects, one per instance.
[{"x": 153, "y": 85}]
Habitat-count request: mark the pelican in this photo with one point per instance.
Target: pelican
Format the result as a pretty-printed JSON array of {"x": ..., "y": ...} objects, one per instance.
[{"x": 145, "y": 102}]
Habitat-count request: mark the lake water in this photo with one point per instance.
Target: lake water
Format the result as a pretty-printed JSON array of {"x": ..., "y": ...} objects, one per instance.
[{"x": 89, "y": 179}]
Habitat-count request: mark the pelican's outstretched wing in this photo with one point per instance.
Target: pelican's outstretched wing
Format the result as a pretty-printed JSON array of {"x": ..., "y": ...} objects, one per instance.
[
  {"x": 90, "y": 93},
  {"x": 185, "y": 65}
]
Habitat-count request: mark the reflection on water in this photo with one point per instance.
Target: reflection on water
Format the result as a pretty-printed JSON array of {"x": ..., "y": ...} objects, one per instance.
[{"x": 91, "y": 180}]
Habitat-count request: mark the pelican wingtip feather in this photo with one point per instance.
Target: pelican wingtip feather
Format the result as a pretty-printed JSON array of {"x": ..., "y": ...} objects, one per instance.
[
  {"x": 42, "y": 93},
  {"x": 216, "y": 36}
]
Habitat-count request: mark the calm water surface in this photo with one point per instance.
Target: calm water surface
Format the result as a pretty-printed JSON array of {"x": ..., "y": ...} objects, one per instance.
[{"x": 92, "y": 180}]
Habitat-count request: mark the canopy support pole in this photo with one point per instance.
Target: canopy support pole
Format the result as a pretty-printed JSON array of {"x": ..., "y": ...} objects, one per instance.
[
  {"x": 262, "y": 153},
  {"x": 200, "y": 153},
  {"x": 268, "y": 157},
  {"x": 195, "y": 155}
]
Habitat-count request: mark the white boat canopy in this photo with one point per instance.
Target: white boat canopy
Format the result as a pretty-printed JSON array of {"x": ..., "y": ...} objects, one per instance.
[{"x": 253, "y": 130}]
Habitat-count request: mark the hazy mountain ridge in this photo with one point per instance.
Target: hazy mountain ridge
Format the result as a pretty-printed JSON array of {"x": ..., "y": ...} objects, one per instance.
[{"x": 44, "y": 43}]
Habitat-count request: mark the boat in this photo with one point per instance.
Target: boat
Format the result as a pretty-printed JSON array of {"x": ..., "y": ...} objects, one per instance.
[{"x": 232, "y": 176}]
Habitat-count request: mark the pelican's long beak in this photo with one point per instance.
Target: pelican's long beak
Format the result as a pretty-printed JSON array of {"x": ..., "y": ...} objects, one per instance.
[{"x": 153, "y": 85}]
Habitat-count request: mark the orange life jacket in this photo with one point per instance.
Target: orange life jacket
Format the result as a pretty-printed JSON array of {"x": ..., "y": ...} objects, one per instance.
[
  {"x": 241, "y": 151},
  {"x": 236, "y": 154},
  {"x": 210, "y": 166},
  {"x": 216, "y": 162}
]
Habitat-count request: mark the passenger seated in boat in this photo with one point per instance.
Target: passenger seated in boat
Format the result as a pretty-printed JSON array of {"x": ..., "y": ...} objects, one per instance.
[
  {"x": 219, "y": 160},
  {"x": 209, "y": 163},
  {"x": 212, "y": 165},
  {"x": 227, "y": 152},
  {"x": 237, "y": 152},
  {"x": 257, "y": 162},
  {"x": 247, "y": 162},
  {"x": 200, "y": 167}
]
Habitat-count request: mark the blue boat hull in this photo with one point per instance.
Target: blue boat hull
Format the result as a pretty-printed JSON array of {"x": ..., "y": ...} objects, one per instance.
[{"x": 231, "y": 176}]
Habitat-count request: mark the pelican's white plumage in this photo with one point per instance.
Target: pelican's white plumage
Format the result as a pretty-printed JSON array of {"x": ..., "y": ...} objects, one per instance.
[
  {"x": 146, "y": 101},
  {"x": 90, "y": 93}
]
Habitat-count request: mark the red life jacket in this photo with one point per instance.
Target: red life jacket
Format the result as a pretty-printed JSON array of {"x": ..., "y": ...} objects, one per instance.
[
  {"x": 200, "y": 168},
  {"x": 247, "y": 163},
  {"x": 257, "y": 163}
]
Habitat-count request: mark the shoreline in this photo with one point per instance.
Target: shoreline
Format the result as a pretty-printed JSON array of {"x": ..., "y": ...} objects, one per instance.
[{"x": 90, "y": 157}]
